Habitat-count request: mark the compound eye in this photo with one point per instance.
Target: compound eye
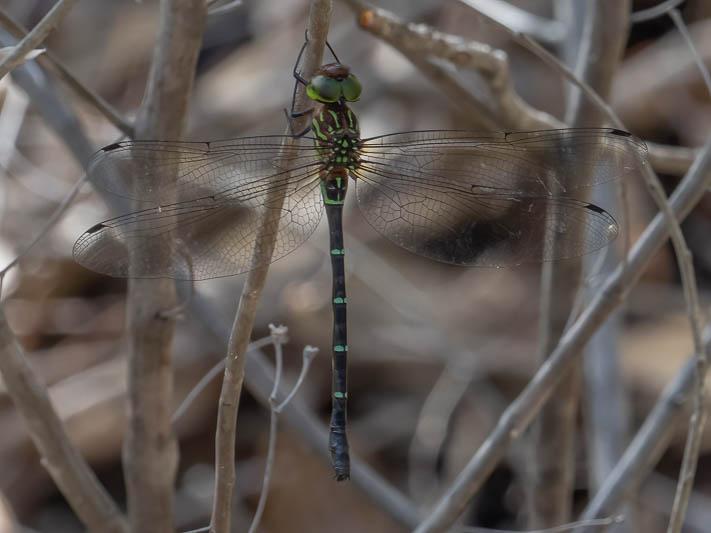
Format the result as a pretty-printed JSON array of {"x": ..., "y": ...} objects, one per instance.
[
  {"x": 324, "y": 89},
  {"x": 351, "y": 88}
]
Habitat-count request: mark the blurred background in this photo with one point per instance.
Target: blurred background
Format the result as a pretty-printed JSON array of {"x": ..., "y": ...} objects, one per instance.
[{"x": 436, "y": 351}]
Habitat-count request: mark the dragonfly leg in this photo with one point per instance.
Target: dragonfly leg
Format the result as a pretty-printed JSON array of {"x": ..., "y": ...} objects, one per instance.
[
  {"x": 293, "y": 115},
  {"x": 297, "y": 74}
]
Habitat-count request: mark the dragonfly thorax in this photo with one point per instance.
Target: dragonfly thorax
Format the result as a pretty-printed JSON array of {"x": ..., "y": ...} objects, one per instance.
[{"x": 337, "y": 136}]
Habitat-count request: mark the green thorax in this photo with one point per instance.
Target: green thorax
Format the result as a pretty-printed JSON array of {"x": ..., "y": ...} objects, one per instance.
[
  {"x": 337, "y": 138},
  {"x": 336, "y": 134}
]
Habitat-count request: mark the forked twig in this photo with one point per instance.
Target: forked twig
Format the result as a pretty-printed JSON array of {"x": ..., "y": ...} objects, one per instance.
[
  {"x": 418, "y": 41},
  {"x": 259, "y": 379},
  {"x": 278, "y": 336},
  {"x": 208, "y": 377}
]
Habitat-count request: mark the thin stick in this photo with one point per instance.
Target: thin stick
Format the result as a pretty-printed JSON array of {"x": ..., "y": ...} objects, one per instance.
[
  {"x": 673, "y": 160},
  {"x": 38, "y": 34},
  {"x": 75, "y": 479},
  {"x": 208, "y": 377},
  {"x": 224, "y": 9},
  {"x": 279, "y": 338},
  {"x": 698, "y": 418},
  {"x": 48, "y": 225},
  {"x": 594, "y": 523},
  {"x": 552, "y": 470},
  {"x": 307, "y": 356},
  {"x": 319, "y": 18},
  {"x": 649, "y": 443},
  {"x": 51, "y": 61},
  {"x": 654, "y": 11}
]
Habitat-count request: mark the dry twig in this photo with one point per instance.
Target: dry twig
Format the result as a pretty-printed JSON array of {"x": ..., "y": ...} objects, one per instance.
[
  {"x": 319, "y": 19},
  {"x": 38, "y": 34},
  {"x": 150, "y": 451},
  {"x": 691, "y": 296},
  {"x": 551, "y": 488},
  {"x": 68, "y": 469},
  {"x": 416, "y": 41},
  {"x": 50, "y": 61},
  {"x": 526, "y": 405}
]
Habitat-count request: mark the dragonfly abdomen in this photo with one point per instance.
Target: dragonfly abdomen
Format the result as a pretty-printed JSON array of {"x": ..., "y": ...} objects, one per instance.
[{"x": 334, "y": 184}]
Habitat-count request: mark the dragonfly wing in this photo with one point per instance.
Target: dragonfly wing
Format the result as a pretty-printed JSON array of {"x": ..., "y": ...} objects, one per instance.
[
  {"x": 492, "y": 199},
  {"x": 161, "y": 172},
  {"x": 538, "y": 162},
  {"x": 489, "y": 230},
  {"x": 207, "y": 237}
]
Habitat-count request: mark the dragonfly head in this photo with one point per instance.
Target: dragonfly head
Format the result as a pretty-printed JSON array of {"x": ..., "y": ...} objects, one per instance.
[{"x": 334, "y": 82}]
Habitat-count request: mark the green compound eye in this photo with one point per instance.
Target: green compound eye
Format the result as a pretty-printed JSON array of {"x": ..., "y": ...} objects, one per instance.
[
  {"x": 351, "y": 88},
  {"x": 324, "y": 89}
]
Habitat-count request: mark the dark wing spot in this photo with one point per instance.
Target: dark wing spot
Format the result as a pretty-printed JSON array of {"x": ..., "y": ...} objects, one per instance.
[
  {"x": 96, "y": 227},
  {"x": 621, "y": 133},
  {"x": 595, "y": 209}
]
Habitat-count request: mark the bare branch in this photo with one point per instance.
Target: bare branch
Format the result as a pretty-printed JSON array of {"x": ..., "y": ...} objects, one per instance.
[
  {"x": 691, "y": 296},
  {"x": 48, "y": 225},
  {"x": 599, "y": 50},
  {"x": 649, "y": 443},
  {"x": 654, "y": 11},
  {"x": 673, "y": 160},
  {"x": 150, "y": 450},
  {"x": 50, "y": 61},
  {"x": 319, "y": 19},
  {"x": 518, "y": 19},
  {"x": 38, "y": 34},
  {"x": 418, "y": 41},
  {"x": 208, "y": 377},
  {"x": 68, "y": 469},
  {"x": 518, "y": 415}
]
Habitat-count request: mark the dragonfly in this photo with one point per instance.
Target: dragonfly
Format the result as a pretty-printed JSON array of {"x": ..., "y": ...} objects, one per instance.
[{"x": 458, "y": 197}]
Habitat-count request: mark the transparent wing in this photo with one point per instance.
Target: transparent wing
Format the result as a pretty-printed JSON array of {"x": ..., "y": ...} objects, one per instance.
[
  {"x": 159, "y": 172},
  {"x": 210, "y": 202},
  {"x": 493, "y": 199}
]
